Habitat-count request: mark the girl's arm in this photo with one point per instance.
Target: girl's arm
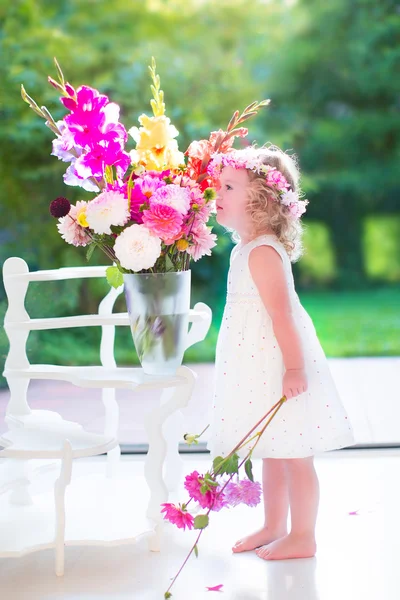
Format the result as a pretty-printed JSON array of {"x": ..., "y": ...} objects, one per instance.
[{"x": 267, "y": 271}]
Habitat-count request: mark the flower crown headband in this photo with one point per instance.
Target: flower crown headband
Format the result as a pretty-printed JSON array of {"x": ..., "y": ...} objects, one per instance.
[{"x": 239, "y": 159}]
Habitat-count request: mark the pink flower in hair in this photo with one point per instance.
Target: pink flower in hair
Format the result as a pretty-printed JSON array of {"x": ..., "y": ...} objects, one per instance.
[
  {"x": 276, "y": 179},
  {"x": 298, "y": 208}
]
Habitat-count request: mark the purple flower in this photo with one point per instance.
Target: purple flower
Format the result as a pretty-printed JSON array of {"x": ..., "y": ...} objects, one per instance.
[
  {"x": 60, "y": 207},
  {"x": 243, "y": 492}
]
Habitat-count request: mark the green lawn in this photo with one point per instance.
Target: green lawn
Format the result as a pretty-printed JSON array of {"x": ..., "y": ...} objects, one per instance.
[{"x": 365, "y": 323}]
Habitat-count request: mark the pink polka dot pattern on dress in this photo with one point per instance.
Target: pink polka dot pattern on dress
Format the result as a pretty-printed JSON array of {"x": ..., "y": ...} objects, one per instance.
[{"x": 312, "y": 422}]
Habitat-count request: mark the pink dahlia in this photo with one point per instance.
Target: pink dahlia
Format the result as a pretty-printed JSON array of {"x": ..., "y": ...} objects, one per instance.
[
  {"x": 243, "y": 492},
  {"x": 203, "y": 240},
  {"x": 69, "y": 228},
  {"x": 162, "y": 220},
  {"x": 107, "y": 209},
  {"x": 209, "y": 499},
  {"x": 178, "y": 516},
  {"x": 175, "y": 196}
]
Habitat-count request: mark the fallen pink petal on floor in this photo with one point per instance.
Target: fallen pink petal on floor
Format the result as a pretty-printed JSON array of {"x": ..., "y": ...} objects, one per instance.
[
  {"x": 216, "y": 588},
  {"x": 354, "y": 513}
]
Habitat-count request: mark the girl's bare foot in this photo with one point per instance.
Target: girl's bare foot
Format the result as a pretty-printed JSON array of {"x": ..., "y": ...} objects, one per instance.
[
  {"x": 290, "y": 546},
  {"x": 262, "y": 537}
]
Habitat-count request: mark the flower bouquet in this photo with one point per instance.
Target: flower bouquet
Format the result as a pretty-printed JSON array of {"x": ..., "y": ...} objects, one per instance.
[
  {"x": 151, "y": 206},
  {"x": 217, "y": 488}
]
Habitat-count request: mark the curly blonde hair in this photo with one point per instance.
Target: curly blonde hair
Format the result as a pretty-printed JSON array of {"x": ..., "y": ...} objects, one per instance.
[{"x": 265, "y": 212}]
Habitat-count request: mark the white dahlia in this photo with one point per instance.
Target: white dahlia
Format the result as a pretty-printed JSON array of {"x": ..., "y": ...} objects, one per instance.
[
  {"x": 108, "y": 208},
  {"x": 137, "y": 248}
]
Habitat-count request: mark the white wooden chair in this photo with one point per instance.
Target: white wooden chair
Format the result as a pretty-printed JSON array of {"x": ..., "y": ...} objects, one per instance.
[{"x": 34, "y": 435}]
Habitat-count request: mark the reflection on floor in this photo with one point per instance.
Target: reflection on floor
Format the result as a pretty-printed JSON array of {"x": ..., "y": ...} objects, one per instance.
[{"x": 357, "y": 559}]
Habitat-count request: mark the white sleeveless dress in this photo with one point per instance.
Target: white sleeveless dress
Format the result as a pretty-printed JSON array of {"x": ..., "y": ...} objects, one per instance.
[{"x": 249, "y": 372}]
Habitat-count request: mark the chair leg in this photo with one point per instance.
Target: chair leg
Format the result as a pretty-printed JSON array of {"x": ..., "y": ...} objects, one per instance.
[
  {"x": 154, "y": 540},
  {"x": 113, "y": 459},
  {"x": 59, "y": 496},
  {"x": 20, "y": 494}
]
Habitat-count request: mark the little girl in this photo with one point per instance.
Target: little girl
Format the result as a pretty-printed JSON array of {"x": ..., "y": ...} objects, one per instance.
[{"x": 267, "y": 347}]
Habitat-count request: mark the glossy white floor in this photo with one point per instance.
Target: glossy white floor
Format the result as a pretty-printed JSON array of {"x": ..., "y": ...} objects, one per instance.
[{"x": 358, "y": 554}]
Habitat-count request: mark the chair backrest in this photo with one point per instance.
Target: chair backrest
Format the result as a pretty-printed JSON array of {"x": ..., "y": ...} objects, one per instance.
[{"x": 18, "y": 323}]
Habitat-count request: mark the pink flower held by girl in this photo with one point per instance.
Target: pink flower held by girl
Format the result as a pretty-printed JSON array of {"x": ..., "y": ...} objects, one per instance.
[
  {"x": 243, "y": 492},
  {"x": 177, "y": 516},
  {"x": 209, "y": 499}
]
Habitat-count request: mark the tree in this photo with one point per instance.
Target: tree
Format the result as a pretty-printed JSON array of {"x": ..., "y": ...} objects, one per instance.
[{"x": 336, "y": 101}]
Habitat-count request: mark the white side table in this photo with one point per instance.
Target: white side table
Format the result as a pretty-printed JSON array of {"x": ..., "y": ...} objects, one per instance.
[{"x": 96, "y": 509}]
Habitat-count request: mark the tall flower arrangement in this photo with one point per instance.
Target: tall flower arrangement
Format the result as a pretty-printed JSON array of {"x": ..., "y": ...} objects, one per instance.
[{"x": 151, "y": 205}]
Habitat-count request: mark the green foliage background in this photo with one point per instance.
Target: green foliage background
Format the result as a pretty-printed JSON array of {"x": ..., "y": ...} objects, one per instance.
[{"x": 331, "y": 71}]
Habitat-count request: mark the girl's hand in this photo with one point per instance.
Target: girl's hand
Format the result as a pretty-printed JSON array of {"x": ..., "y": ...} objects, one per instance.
[{"x": 294, "y": 383}]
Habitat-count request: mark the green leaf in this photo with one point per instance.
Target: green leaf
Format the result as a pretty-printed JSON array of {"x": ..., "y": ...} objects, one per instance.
[
  {"x": 248, "y": 467},
  {"x": 169, "y": 265},
  {"x": 216, "y": 462},
  {"x": 231, "y": 464},
  {"x": 89, "y": 251},
  {"x": 167, "y": 595},
  {"x": 201, "y": 521},
  {"x": 114, "y": 277},
  {"x": 196, "y": 551}
]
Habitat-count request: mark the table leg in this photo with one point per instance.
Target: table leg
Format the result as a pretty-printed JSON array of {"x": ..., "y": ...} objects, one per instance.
[{"x": 172, "y": 399}]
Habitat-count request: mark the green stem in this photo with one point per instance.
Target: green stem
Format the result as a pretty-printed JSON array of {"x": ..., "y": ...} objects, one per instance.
[
  {"x": 274, "y": 411},
  {"x": 243, "y": 441}
]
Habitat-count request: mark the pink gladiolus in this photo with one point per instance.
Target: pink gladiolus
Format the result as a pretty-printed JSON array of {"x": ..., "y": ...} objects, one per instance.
[
  {"x": 70, "y": 178},
  {"x": 93, "y": 163},
  {"x": 177, "y": 516},
  {"x": 163, "y": 221},
  {"x": 243, "y": 492},
  {"x": 93, "y": 118}
]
